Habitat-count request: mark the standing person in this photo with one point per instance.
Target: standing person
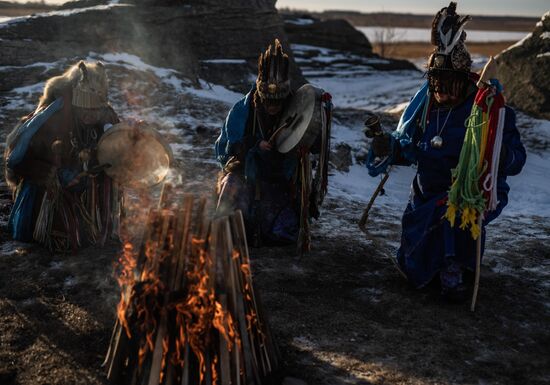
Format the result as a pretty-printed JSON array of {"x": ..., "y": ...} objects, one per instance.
[
  {"x": 257, "y": 179},
  {"x": 62, "y": 198},
  {"x": 431, "y": 134}
]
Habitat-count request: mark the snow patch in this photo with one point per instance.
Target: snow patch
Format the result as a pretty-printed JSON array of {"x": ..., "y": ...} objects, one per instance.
[
  {"x": 545, "y": 35},
  {"x": 46, "y": 66},
  {"x": 300, "y": 21},
  {"x": 133, "y": 62},
  {"x": 529, "y": 190},
  {"x": 357, "y": 185},
  {"x": 225, "y": 61},
  {"x": 23, "y": 95},
  {"x": 215, "y": 92},
  {"x": 519, "y": 43},
  {"x": 376, "y": 91},
  {"x": 66, "y": 12},
  {"x": 306, "y": 48}
]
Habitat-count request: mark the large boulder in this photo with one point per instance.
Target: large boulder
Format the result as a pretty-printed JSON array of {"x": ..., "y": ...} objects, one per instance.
[
  {"x": 200, "y": 39},
  {"x": 339, "y": 39},
  {"x": 523, "y": 70},
  {"x": 335, "y": 34}
]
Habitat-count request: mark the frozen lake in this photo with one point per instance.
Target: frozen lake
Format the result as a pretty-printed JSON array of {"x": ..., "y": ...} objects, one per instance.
[{"x": 423, "y": 34}]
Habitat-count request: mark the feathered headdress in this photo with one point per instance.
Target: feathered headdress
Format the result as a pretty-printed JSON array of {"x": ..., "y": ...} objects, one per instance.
[
  {"x": 448, "y": 36},
  {"x": 273, "y": 73}
]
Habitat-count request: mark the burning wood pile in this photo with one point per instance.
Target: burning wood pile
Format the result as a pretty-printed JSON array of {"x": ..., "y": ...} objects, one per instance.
[{"x": 188, "y": 313}]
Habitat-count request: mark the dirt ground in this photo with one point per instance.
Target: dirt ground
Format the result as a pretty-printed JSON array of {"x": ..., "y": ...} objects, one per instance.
[
  {"x": 410, "y": 50},
  {"x": 341, "y": 314}
]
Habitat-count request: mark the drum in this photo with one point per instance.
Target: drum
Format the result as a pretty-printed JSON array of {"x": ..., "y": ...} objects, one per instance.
[
  {"x": 305, "y": 110},
  {"x": 137, "y": 154}
]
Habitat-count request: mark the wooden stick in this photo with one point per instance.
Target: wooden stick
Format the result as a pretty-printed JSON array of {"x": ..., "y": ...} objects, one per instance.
[
  {"x": 261, "y": 336},
  {"x": 237, "y": 303},
  {"x": 185, "y": 374},
  {"x": 478, "y": 264},
  {"x": 119, "y": 350},
  {"x": 365, "y": 216},
  {"x": 156, "y": 361},
  {"x": 112, "y": 342},
  {"x": 224, "y": 351},
  {"x": 184, "y": 246},
  {"x": 239, "y": 237}
]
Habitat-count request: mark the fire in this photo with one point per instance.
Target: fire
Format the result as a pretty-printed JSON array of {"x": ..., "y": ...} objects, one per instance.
[
  {"x": 183, "y": 302},
  {"x": 165, "y": 347},
  {"x": 126, "y": 279},
  {"x": 199, "y": 312}
]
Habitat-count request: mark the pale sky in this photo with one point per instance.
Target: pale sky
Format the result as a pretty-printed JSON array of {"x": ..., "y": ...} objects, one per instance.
[{"x": 475, "y": 7}]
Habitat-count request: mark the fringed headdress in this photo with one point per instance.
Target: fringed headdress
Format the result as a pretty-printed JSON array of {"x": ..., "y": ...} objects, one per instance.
[
  {"x": 90, "y": 91},
  {"x": 273, "y": 80}
]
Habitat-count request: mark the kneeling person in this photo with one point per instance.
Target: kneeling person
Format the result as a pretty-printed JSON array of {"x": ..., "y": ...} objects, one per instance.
[
  {"x": 265, "y": 184},
  {"x": 431, "y": 134},
  {"x": 63, "y": 199}
]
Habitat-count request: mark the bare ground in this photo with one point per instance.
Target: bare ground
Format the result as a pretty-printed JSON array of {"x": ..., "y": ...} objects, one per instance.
[
  {"x": 413, "y": 50},
  {"x": 341, "y": 315}
]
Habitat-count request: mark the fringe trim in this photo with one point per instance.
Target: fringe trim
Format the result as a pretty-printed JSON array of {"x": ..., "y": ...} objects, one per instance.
[{"x": 86, "y": 99}]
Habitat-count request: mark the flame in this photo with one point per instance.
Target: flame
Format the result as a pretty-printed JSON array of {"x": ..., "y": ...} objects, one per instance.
[
  {"x": 146, "y": 301},
  {"x": 197, "y": 316},
  {"x": 165, "y": 346},
  {"x": 199, "y": 312},
  {"x": 126, "y": 279}
]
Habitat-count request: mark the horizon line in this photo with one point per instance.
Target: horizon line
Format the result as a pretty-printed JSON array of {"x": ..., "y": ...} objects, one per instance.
[{"x": 399, "y": 13}]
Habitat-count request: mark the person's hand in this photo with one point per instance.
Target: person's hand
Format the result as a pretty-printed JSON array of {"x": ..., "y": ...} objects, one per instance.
[
  {"x": 265, "y": 145},
  {"x": 381, "y": 145}
]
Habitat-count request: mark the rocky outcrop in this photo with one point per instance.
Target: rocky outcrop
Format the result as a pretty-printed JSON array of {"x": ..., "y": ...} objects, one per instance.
[
  {"x": 199, "y": 39},
  {"x": 529, "y": 58},
  {"x": 340, "y": 157},
  {"x": 334, "y": 34},
  {"x": 340, "y": 39}
]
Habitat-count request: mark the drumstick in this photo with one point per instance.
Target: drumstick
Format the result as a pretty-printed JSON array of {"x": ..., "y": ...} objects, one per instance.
[
  {"x": 94, "y": 170},
  {"x": 287, "y": 123}
]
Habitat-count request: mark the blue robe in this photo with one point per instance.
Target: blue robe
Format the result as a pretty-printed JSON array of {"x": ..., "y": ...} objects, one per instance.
[
  {"x": 21, "y": 223},
  {"x": 273, "y": 218},
  {"x": 428, "y": 243}
]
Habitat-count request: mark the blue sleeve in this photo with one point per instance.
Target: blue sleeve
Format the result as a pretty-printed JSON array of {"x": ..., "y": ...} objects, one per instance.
[
  {"x": 232, "y": 132},
  {"x": 220, "y": 147},
  {"x": 23, "y": 134},
  {"x": 515, "y": 152}
]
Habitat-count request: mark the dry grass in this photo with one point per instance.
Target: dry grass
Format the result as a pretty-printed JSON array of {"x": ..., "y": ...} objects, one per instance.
[
  {"x": 407, "y": 50},
  {"x": 15, "y": 12}
]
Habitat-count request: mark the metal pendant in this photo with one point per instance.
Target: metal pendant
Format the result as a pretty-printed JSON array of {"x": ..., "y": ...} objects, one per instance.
[{"x": 436, "y": 142}]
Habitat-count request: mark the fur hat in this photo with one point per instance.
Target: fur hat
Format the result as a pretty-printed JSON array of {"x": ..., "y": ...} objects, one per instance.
[
  {"x": 448, "y": 36},
  {"x": 90, "y": 89},
  {"x": 273, "y": 73}
]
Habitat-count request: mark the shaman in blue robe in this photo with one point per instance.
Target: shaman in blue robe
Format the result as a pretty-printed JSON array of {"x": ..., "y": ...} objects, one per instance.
[
  {"x": 259, "y": 183},
  {"x": 429, "y": 244}
]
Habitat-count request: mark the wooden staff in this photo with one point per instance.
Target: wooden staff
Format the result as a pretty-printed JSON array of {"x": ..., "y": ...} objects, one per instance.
[
  {"x": 489, "y": 72},
  {"x": 478, "y": 265},
  {"x": 365, "y": 216}
]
